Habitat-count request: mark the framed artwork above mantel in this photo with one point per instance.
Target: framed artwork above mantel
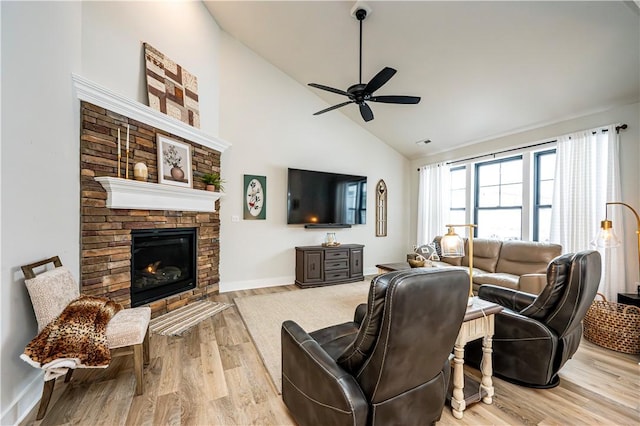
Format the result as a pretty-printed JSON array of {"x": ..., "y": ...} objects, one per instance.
[{"x": 174, "y": 162}]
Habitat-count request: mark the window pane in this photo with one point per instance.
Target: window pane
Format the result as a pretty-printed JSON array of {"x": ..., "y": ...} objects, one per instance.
[
  {"x": 546, "y": 192},
  {"x": 489, "y": 174},
  {"x": 547, "y": 168},
  {"x": 458, "y": 180},
  {"x": 458, "y": 198},
  {"x": 500, "y": 224},
  {"x": 544, "y": 224},
  {"x": 511, "y": 195},
  {"x": 489, "y": 196},
  {"x": 456, "y": 217},
  {"x": 511, "y": 171}
]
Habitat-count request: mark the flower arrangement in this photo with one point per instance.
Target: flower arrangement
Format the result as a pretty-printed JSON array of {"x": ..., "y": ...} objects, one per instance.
[{"x": 171, "y": 156}]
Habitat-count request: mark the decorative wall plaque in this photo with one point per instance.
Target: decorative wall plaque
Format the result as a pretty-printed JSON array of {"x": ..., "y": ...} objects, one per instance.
[{"x": 381, "y": 209}]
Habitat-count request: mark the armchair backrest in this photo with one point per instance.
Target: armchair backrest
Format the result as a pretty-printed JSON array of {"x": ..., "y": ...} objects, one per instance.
[
  {"x": 50, "y": 291},
  {"x": 412, "y": 320},
  {"x": 572, "y": 283}
]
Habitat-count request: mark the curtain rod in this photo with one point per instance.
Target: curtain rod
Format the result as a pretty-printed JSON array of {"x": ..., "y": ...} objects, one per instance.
[{"x": 618, "y": 128}]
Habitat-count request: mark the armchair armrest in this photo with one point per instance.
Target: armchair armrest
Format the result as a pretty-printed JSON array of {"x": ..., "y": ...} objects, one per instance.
[
  {"x": 511, "y": 299},
  {"x": 314, "y": 387},
  {"x": 360, "y": 313},
  {"x": 532, "y": 283}
]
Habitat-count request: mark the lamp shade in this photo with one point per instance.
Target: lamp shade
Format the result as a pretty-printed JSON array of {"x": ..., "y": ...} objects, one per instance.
[
  {"x": 606, "y": 237},
  {"x": 452, "y": 245}
]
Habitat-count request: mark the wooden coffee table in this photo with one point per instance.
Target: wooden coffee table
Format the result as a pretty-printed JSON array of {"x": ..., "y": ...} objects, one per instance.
[{"x": 478, "y": 323}]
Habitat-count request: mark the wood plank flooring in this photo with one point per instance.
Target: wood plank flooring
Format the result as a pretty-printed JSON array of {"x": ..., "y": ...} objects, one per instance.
[{"x": 213, "y": 375}]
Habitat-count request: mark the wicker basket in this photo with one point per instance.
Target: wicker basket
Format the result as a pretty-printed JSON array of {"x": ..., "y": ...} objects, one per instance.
[{"x": 613, "y": 326}]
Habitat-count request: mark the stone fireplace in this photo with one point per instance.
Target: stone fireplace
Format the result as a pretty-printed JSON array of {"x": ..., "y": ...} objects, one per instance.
[{"x": 117, "y": 211}]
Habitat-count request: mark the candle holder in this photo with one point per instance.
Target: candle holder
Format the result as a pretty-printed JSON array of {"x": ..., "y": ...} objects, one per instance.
[{"x": 126, "y": 170}]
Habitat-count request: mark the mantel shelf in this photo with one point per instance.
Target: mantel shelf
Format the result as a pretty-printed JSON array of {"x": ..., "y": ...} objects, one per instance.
[{"x": 136, "y": 195}]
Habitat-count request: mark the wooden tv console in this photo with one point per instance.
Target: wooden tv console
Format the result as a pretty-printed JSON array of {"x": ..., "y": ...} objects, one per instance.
[{"x": 323, "y": 265}]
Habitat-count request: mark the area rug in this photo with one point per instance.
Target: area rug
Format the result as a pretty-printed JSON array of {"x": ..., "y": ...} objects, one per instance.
[
  {"x": 311, "y": 308},
  {"x": 178, "y": 322}
]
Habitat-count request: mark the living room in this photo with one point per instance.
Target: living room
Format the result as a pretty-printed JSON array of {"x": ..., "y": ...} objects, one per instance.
[{"x": 264, "y": 114}]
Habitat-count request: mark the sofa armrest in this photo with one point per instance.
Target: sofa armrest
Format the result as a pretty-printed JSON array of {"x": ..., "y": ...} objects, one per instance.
[
  {"x": 532, "y": 283},
  {"x": 360, "y": 313},
  {"x": 509, "y": 298},
  {"x": 314, "y": 387}
]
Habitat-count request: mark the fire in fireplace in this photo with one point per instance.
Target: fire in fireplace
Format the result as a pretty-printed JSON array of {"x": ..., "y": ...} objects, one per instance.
[{"x": 163, "y": 263}]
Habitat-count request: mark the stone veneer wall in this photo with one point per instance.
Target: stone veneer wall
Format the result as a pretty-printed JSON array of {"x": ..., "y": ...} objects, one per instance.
[{"x": 106, "y": 233}]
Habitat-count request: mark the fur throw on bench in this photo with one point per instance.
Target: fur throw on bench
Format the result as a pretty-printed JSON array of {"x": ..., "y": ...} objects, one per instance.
[{"x": 77, "y": 338}]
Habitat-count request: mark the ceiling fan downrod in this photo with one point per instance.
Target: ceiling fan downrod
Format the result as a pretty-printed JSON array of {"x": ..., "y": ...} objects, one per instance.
[{"x": 361, "y": 14}]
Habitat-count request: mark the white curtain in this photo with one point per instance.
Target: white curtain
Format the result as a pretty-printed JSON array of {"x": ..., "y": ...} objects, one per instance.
[
  {"x": 433, "y": 201},
  {"x": 587, "y": 176}
]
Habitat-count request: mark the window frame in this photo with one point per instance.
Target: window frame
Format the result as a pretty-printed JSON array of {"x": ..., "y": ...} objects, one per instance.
[{"x": 536, "y": 206}]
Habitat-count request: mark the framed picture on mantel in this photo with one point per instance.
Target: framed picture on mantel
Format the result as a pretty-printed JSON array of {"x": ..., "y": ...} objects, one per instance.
[{"x": 174, "y": 162}]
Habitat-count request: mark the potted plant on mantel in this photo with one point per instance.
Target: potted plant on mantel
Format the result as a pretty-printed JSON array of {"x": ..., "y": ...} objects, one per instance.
[{"x": 213, "y": 181}]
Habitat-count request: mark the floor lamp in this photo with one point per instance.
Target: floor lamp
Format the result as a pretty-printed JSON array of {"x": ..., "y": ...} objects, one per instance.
[
  {"x": 452, "y": 245},
  {"x": 606, "y": 236}
]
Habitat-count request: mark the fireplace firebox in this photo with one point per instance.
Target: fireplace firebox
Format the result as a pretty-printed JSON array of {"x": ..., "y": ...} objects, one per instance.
[{"x": 163, "y": 263}]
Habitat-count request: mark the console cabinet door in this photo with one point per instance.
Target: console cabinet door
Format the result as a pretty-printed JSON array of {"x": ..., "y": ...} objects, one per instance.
[
  {"x": 356, "y": 263},
  {"x": 312, "y": 267}
]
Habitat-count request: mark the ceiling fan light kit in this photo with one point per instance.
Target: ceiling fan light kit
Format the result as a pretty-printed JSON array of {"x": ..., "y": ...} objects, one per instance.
[{"x": 361, "y": 93}]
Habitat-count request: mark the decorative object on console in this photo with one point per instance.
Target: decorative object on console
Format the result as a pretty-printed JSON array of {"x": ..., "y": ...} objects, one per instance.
[
  {"x": 174, "y": 162},
  {"x": 452, "y": 245},
  {"x": 172, "y": 90},
  {"x": 381, "y": 209},
  {"x": 213, "y": 181},
  {"x": 255, "y": 197},
  {"x": 607, "y": 238},
  {"x": 330, "y": 240},
  {"x": 140, "y": 172}
]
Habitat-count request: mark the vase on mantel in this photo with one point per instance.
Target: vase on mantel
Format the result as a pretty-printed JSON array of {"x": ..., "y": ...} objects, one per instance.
[
  {"x": 211, "y": 188},
  {"x": 177, "y": 173}
]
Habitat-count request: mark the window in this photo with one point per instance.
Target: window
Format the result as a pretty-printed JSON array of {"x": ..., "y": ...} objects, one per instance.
[
  {"x": 544, "y": 173},
  {"x": 498, "y": 200},
  {"x": 458, "y": 198}
]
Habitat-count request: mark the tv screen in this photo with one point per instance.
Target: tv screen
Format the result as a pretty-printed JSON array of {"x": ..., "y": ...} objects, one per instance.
[{"x": 321, "y": 198}]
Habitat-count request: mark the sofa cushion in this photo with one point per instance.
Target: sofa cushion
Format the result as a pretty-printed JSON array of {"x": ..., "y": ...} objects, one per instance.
[
  {"x": 485, "y": 254},
  {"x": 497, "y": 278},
  {"x": 526, "y": 257}
]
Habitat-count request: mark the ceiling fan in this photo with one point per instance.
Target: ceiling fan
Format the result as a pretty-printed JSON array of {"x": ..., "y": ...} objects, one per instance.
[{"x": 361, "y": 93}]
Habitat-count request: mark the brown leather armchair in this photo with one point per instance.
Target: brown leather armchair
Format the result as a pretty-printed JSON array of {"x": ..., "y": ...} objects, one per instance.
[
  {"x": 390, "y": 365},
  {"x": 536, "y": 335}
]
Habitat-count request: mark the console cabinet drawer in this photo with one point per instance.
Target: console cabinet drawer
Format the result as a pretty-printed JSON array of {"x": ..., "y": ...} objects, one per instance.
[
  {"x": 336, "y": 275},
  {"x": 330, "y": 265},
  {"x": 336, "y": 254}
]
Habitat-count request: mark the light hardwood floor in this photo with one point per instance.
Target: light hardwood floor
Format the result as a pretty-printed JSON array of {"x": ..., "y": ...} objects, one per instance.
[{"x": 213, "y": 375}]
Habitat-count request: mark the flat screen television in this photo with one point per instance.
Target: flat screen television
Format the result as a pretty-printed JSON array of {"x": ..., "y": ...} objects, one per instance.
[{"x": 325, "y": 199}]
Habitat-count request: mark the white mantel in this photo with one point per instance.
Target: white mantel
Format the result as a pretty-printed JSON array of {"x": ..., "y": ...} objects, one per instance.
[
  {"x": 136, "y": 195},
  {"x": 89, "y": 91}
]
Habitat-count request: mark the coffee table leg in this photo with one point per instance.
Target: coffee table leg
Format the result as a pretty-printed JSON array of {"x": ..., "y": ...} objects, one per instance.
[
  {"x": 487, "y": 369},
  {"x": 457, "y": 399}
]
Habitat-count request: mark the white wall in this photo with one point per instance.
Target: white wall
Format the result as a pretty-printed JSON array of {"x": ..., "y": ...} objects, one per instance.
[
  {"x": 40, "y": 185},
  {"x": 629, "y": 167},
  {"x": 268, "y": 118},
  {"x": 42, "y": 44}
]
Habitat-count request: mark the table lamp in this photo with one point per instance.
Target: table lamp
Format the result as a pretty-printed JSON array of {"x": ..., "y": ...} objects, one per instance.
[{"x": 452, "y": 245}]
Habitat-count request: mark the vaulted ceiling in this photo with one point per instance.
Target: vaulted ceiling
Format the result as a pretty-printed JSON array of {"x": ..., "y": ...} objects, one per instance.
[{"x": 482, "y": 69}]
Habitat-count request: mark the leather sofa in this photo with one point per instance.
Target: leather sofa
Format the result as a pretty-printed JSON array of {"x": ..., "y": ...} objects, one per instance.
[
  {"x": 518, "y": 265},
  {"x": 390, "y": 365},
  {"x": 536, "y": 335}
]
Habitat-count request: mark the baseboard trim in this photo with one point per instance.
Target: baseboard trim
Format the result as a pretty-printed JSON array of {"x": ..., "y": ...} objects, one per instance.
[
  {"x": 20, "y": 408},
  {"x": 259, "y": 283}
]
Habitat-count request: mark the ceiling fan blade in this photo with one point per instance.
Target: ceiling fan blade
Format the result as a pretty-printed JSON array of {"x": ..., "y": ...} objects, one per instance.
[
  {"x": 365, "y": 112},
  {"x": 396, "y": 99},
  {"x": 333, "y": 107},
  {"x": 329, "y": 89},
  {"x": 379, "y": 80}
]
